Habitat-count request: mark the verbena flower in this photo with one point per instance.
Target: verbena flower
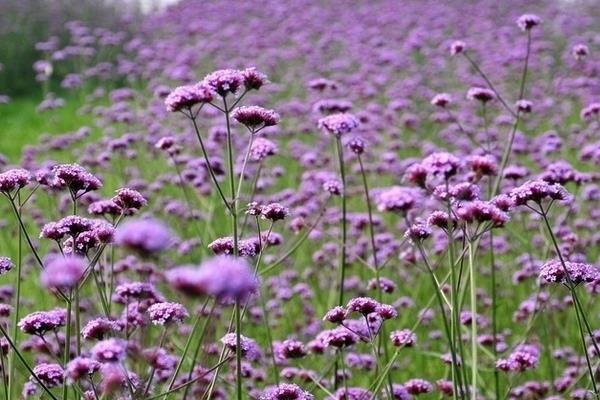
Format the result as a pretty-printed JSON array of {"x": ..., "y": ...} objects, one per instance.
[
  {"x": 227, "y": 278},
  {"x": 147, "y": 236},
  {"x": 64, "y": 272},
  {"x": 167, "y": 313},
  {"x": 338, "y": 124}
]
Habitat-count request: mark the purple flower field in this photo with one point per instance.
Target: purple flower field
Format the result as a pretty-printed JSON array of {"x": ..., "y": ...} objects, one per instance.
[{"x": 295, "y": 200}]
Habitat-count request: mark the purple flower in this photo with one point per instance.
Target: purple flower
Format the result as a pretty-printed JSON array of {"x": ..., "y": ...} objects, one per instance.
[
  {"x": 63, "y": 272},
  {"x": 274, "y": 212},
  {"x": 184, "y": 97},
  {"x": 225, "y": 81},
  {"x": 363, "y": 305},
  {"x": 580, "y": 51},
  {"x": 356, "y": 145},
  {"x": 403, "y": 338},
  {"x": 336, "y": 315},
  {"x": 417, "y": 233},
  {"x": 333, "y": 187},
  {"x": 227, "y": 278},
  {"x": 40, "y": 322},
  {"x": 338, "y": 124},
  {"x": 397, "y": 199},
  {"x": 441, "y": 100},
  {"x": 457, "y": 47},
  {"x": 81, "y": 368},
  {"x": 524, "y": 106},
  {"x": 74, "y": 177},
  {"x": 6, "y": 265},
  {"x": 338, "y": 337},
  {"x": 292, "y": 349},
  {"x": 554, "y": 272},
  {"x": 109, "y": 351},
  {"x": 51, "y": 375},
  {"x": 129, "y": 199},
  {"x": 98, "y": 328},
  {"x": 482, "y": 94},
  {"x": 167, "y": 313},
  {"x": 262, "y": 148},
  {"x": 418, "y": 386},
  {"x": 187, "y": 279},
  {"x": 524, "y": 357},
  {"x": 104, "y": 207},
  {"x": 537, "y": 191},
  {"x": 286, "y": 391},
  {"x": 224, "y": 246},
  {"x": 128, "y": 291},
  {"x": 528, "y": 21},
  {"x": 255, "y": 117},
  {"x": 14, "y": 179},
  {"x": 442, "y": 163},
  {"x": 253, "y": 79},
  {"x": 146, "y": 236},
  {"x": 249, "y": 349}
]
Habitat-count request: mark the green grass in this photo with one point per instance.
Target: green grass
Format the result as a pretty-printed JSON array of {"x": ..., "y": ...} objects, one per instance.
[{"x": 22, "y": 124}]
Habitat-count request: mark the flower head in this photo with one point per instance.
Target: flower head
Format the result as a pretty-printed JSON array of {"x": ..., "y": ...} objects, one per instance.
[
  {"x": 255, "y": 117},
  {"x": 528, "y": 21},
  {"x": 147, "y": 236},
  {"x": 167, "y": 313},
  {"x": 224, "y": 81},
  {"x": 184, "y": 97},
  {"x": 14, "y": 179},
  {"x": 338, "y": 124},
  {"x": 64, "y": 272},
  {"x": 227, "y": 278}
]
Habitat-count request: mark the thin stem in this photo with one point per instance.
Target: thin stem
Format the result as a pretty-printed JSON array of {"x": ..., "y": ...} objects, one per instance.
[
  {"x": 22, "y": 359},
  {"x": 473, "y": 283},
  {"x": 153, "y": 369},
  {"x": 197, "y": 349},
  {"x": 494, "y": 315},
  {"x": 67, "y": 354},
  {"x": 489, "y": 83},
  {"x": 208, "y": 164},
  {"x": 238, "y": 349},
  {"x": 16, "y": 316},
  {"x": 342, "y": 259},
  {"x": 440, "y": 300}
]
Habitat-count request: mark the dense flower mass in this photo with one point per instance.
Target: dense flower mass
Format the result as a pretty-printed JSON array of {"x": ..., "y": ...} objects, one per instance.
[{"x": 407, "y": 208}]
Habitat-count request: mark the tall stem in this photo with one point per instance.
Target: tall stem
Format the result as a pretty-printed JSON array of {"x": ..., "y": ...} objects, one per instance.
[
  {"x": 238, "y": 348},
  {"x": 67, "y": 355},
  {"x": 576, "y": 303},
  {"x": 16, "y": 315},
  {"x": 208, "y": 164},
  {"x": 517, "y": 115},
  {"x": 473, "y": 302},
  {"x": 233, "y": 209},
  {"x": 436, "y": 288},
  {"x": 494, "y": 315},
  {"x": 342, "y": 260},
  {"x": 382, "y": 342}
]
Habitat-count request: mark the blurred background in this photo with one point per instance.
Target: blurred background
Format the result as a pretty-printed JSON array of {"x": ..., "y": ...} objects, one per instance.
[{"x": 25, "y": 23}]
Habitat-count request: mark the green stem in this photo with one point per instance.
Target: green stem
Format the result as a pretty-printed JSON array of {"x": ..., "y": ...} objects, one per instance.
[
  {"x": 342, "y": 259},
  {"x": 67, "y": 354}
]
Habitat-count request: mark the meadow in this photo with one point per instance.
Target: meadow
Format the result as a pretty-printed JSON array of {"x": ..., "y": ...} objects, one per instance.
[{"x": 295, "y": 200}]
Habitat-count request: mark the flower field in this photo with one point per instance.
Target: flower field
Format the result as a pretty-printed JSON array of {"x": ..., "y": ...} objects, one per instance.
[{"x": 296, "y": 200}]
